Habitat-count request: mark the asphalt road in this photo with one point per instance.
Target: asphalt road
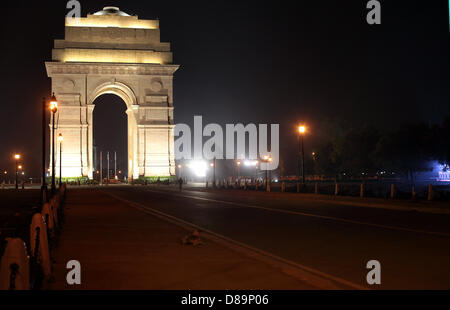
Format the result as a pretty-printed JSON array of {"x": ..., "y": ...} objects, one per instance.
[{"x": 412, "y": 247}]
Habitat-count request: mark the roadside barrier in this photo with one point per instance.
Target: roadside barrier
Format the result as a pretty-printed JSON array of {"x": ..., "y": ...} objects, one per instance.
[
  {"x": 23, "y": 267},
  {"x": 48, "y": 216},
  {"x": 430, "y": 192},
  {"x": 364, "y": 189},
  {"x": 392, "y": 191},
  {"x": 15, "y": 266},
  {"x": 40, "y": 253}
]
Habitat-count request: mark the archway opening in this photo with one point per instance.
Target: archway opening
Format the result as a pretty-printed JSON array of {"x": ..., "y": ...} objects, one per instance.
[{"x": 110, "y": 139}]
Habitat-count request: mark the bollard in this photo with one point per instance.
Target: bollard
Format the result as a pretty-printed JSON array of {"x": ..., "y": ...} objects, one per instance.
[
  {"x": 256, "y": 185},
  {"x": 268, "y": 187},
  {"x": 392, "y": 191},
  {"x": 15, "y": 266},
  {"x": 39, "y": 243},
  {"x": 361, "y": 190},
  {"x": 48, "y": 216},
  {"x": 283, "y": 186},
  {"x": 298, "y": 187},
  {"x": 430, "y": 192},
  {"x": 245, "y": 185},
  {"x": 316, "y": 188},
  {"x": 413, "y": 193},
  {"x": 55, "y": 206},
  {"x": 44, "y": 195},
  {"x": 336, "y": 189}
]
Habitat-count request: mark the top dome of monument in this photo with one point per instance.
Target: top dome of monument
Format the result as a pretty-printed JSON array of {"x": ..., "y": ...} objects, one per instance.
[{"x": 111, "y": 10}]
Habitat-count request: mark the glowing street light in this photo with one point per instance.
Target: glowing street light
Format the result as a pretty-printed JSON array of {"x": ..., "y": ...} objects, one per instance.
[
  {"x": 60, "y": 140},
  {"x": 238, "y": 163},
  {"x": 180, "y": 167},
  {"x": 17, "y": 157},
  {"x": 267, "y": 159},
  {"x": 213, "y": 165},
  {"x": 53, "y": 109},
  {"x": 53, "y": 104},
  {"x": 301, "y": 152}
]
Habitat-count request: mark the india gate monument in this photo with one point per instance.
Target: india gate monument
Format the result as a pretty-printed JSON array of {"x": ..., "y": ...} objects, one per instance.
[{"x": 111, "y": 52}]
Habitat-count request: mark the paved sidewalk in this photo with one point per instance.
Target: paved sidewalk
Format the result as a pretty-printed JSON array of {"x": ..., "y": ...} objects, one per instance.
[{"x": 122, "y": 248}]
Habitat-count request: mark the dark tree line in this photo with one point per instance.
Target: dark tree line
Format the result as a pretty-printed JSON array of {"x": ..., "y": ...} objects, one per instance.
[{"x": 359, "y": 151}]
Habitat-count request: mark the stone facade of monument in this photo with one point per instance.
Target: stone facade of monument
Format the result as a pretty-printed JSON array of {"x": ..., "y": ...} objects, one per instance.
[{"x": 111, "y": 52}]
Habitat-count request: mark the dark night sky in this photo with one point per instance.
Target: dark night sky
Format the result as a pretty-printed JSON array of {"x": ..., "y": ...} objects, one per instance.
[{"x": 253, "y": 61}]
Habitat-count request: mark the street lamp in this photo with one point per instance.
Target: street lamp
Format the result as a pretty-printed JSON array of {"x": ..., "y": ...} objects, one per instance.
[
  {"x": 267, "y": 159},
  {"x": 53, "y": 109},
  {"x": 301, "y": 152},
  {"x": 17, "y": 157},
  {"x": 238, "y": 163},
  {"x": 213, "y": 165},
  {"x": 20, "y": 167},
  {"x": 60, "y": 139},
  {"x": 180, "y": 171},
  {"x": 214, "y": 169}
]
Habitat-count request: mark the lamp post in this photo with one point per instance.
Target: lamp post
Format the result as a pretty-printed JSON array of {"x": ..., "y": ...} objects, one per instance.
[
  {"x": 107, "y": 166},
  {"x": 301, "y": 151},
  {"x": 54, "y": 109},
  {"x": 115, "y": 165},
  {"x": 214, "y": 174},
  {"x": 17, "y": 157},
  {"x": 20, "y": 167},
  {"x": 44, "y": 130},
  {"x": 179, "y": 169},
  {"x": 101, "y": 167},
  {"x": 267, "y": 159},
  {"x": 60, "y": 139},
  {"x": 238, "y": 163}
]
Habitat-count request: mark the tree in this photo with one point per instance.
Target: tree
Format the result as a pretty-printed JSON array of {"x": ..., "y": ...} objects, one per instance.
[
  {"x": 443, "y": 143},
  {"x": 407, "y": 149}
]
